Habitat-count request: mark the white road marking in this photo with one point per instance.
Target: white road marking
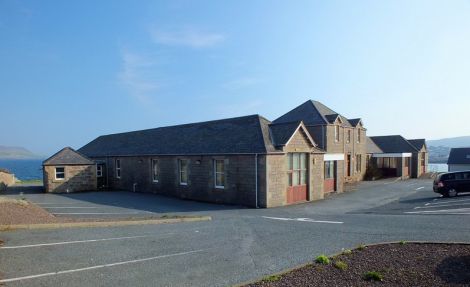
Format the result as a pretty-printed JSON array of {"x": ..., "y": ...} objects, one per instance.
[
  {"x": 302, "y": 220},
  {"x": 99, "y": 266},
  {"x": 457, "y": 210},
  {"x": 78, "y": 241},
  {"x": 99, "y": 213},
  {"x": 421, "y": 187},
  {"x": 441, "y": 205},
  {"x": 447, "y": 201},
  {"x": 74, "y": 207}
]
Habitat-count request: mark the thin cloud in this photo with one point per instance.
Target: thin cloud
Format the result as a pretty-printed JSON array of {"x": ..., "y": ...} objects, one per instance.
[
  {"x": 135, "y": 76},
  {"x": 241, "y": 83},
  {"x": 187, "y": 38}
]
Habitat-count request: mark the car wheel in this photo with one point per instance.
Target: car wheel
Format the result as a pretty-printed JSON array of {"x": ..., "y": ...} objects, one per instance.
[{"x": 451, "y": 193}]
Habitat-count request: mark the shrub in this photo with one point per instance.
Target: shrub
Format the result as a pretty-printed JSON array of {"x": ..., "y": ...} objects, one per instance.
[
  {"x": 272, "y": 278},
  {"x": 373, "y": 276},
  {"x": 361, "y": 247},
  {"x": 402, "y": 242},
  {"x": 322, "y": 259},
  {"x": 340, "y": 265},
  {"x": 347, "y": 251}
]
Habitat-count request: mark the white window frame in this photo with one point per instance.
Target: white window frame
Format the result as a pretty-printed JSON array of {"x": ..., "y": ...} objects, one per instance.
[
  {"x": 99, "y": 170},
  {"x": 55, "y": 173},
  {"x": 154, "y": 169},
  {"x": 180, "y": 171},
  {"x": 337, "y": 137},
  {"x": 219, "y": 172},
  {"x": 117, "y": 167}
]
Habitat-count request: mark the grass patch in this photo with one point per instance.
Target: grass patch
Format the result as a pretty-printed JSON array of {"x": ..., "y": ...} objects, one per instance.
[
  {"x": 373, "y": 276},
  {"x": 323, "y": 259},
  {"x": 402, "y": 242},
  {"x": 340, "y": 265},
  {"x": 272, "y": 278},
  {"x": 29, "y": 181},
  {"x": 361, "y": 247},
  {"x": 347, "y": 252}
]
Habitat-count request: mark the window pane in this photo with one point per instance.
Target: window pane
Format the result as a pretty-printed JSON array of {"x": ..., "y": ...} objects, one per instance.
[
  {"x": 296, "y": 178},
  {"x": 289, "y": 178},
  {"x": 184, "y": 177},
  {"x": 296, "y": 160},
  {"x": 303, "y": 161},
  {"x": 289, "y": 161},
  {"x": 219, "y": 164},
  {"x": 219, "y": 178},
  {"x": 59, "y": 169},
  {"x": 304, "y": 177}
]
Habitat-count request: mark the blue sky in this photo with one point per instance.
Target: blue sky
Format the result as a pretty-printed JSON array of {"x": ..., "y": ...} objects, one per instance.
[{"x": 73, "y": 70}]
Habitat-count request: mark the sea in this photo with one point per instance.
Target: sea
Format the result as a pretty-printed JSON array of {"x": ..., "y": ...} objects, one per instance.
[
  {"x": 437, "y": 167},
  {"x": 24, "y": 169}
]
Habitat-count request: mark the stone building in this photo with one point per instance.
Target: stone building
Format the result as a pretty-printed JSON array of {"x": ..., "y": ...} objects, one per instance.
[
  {"x": 301, "y": 156},
  {"x": 342, "y": 139},
  {"x": 396, "y": 156},
  {"x": 69, "y": 171}
]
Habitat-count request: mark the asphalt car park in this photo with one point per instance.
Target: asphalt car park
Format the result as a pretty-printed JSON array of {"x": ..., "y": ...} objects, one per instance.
[{"x": 238, "y": 245}]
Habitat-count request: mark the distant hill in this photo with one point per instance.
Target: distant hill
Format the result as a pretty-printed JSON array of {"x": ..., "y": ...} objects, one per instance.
[
  {"x": 451, "y": 142},
  {"x": 439, "y": 149},
  {"x": 13, "y": 152}
]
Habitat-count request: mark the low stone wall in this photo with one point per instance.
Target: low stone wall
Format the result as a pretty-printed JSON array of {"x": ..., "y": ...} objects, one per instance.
[{"x": 7, "y": 178}]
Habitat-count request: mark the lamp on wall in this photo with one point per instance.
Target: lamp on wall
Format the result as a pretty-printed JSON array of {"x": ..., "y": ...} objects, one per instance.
[{"x": 198, "y": 161}]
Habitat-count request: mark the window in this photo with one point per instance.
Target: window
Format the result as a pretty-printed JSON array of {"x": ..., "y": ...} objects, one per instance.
[
  {"x": 349, "y": 136},
  {"x": 329, "y": 169},
  {"x": 99, "y": 171},
  {"x": 336, "y": 133},
  {"x": 297, "y": 169},
  {"x": 118, "y": 168},
  {"x": 219, "y": 173},
  {"x": 154, "y": 170},
  {"x": 358, "y": 135},
  {"x": 183, "y": 171},
  {"x": 358, "y": 162},
  {"x": 60, "y": 173}
]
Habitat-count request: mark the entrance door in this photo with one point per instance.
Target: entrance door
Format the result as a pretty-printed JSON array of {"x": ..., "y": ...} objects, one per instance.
[
  {"x": 348, "y": 165},
  {"x": 297, "y": 173},
  {"x": 330, "y": 176}
]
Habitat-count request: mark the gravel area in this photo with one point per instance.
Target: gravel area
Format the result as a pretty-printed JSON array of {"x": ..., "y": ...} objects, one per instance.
[{"x": 409, "y": 264}]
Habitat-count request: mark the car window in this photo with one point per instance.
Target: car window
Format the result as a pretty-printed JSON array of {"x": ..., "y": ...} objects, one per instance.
[
  {"x": 449, "y": 176},
  {"x": 466, "y": 175},
  {"x": 459, "y": 176}
]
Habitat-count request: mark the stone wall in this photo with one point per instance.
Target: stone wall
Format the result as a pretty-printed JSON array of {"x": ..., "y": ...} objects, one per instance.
[
  {"x": 7, "y": 178},
  {"x": 239, "y": 186},
  {"x": 77, "y": 178}
]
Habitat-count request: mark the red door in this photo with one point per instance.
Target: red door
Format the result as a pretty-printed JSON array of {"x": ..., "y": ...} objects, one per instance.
[{"x": 296, "y": 193}]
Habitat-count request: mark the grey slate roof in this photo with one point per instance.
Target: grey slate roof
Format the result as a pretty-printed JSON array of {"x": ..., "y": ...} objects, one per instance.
[
  {"x": 242, "y": 135},
  {"x": 418, "y": 143},
  {"x": 372, "y": 147},
  {"x": 393, "y": 144},
  {"x": 281, "y": 133},
  {"x": 354, "y": 122},
  {"x": 311, "y": 113},
  {"x": 68, "y": 156},
  {"x": 459, "y": 156}
]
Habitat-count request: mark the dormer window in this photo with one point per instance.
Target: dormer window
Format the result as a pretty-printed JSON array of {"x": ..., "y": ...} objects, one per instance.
[{"x": 336, "y": 133}]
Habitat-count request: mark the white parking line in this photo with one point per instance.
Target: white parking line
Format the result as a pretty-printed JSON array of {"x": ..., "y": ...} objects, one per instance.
[
  {"x": 74, "y": 207},
  {"x": 99, "y": 266},
  {"x": 457, "y": 210},
  {"x": 100, "y": 213},
  {"x": 303, "y": 220},
  {"x": 78, "y": 241},
  {"x": 447, "y": 201},
  {"x": 442, "y": 205},
  {"x": 421, "y": 187}
]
